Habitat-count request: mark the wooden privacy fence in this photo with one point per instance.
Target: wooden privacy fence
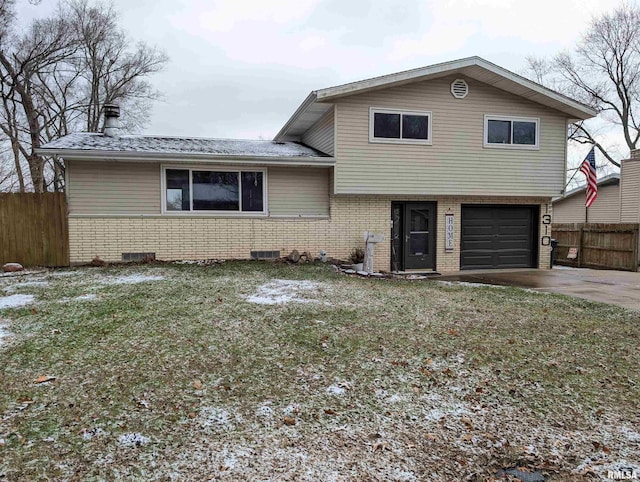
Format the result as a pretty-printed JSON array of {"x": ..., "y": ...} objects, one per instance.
[
  {"x": 605, "y": 246},
  {"x": 33, "y": 229}
]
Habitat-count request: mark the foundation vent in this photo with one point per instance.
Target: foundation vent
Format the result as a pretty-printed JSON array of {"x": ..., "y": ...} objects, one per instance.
[
  {"x": 145, "y": 257},
  {"x": 265, "y": 254},
  {"x": 459, "y": 88}
]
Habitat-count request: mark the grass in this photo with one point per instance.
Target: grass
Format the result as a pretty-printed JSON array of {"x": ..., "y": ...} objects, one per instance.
[{"x": 355, "y": 380}]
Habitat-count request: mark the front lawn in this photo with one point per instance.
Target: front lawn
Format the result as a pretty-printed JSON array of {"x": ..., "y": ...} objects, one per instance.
[{"x": 260, "y": 371}]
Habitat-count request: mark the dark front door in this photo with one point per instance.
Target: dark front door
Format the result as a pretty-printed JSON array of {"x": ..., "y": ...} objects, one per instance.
[{"x": 419, "y": 239}]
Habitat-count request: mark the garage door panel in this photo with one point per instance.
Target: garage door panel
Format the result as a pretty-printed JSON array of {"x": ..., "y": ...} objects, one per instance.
[
  {"x": 513, "y": 245},
  {"x": 479, "y": 261},
  {"x": 513, "y": 261},
  {"x": 498, "y": 237},
  {"x": 478, "y": 232},
  {"x": 478, "y": 245},
  {"x": 514, "y": 229}
]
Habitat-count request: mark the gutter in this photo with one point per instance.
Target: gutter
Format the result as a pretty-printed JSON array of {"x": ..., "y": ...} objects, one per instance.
[{"x": 102, "y": 155}]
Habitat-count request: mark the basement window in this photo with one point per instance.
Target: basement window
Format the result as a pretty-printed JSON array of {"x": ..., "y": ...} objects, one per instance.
[
  {"x": 215, "y": 191},
  {"x": 398, "y": 126},
  {"x": 511, "y": 132}
]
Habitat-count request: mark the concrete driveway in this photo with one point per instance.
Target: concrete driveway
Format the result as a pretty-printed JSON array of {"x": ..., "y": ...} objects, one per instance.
[{"x": 620, "y": 288}]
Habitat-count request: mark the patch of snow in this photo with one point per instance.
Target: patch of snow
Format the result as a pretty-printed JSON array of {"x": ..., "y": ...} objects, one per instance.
[
  {"x": 384, "y": 395},
  {"x": 335, "y": 390},
  {"x": 64, "y": 273},
  {"x": 280, "y": 291},
  {"x": 536, "y": 291},
  {"x": 446, "y": 410},
  {"x": 402, "y": 475},
  {"x": 572, "y": 268},
  {"x": 291, "y": 409},
  {"x": 630, "y": 435},
  {"x": 87, "y": 297},
  {"x": 133, "y": 440},
  {"x": 469, "y": 284},
  {"x": 131, "y": 279},
  {"x": 34, "y": 284},
  {"x": 264, "y": 411},
  {"x": 192, "y": 145},
  {"x": 3, "y": 334},
  {"x": 217, "y": 418},
  {"x": 96, "y": 432},
  {"x": 15, "y": 301},
  {"x": 18, "y": 273}
]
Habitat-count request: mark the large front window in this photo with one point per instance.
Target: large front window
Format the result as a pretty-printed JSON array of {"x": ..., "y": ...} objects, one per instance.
[{"x": 208, "y": 190}]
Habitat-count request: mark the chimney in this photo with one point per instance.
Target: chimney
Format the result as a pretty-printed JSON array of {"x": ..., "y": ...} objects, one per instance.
[{"x": 111, "y": 114}]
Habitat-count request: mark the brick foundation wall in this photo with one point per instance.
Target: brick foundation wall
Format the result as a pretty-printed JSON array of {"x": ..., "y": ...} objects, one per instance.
[{"x": 192, "y": 237}]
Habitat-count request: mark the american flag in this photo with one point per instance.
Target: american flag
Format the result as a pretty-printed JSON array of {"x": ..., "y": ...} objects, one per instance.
[{"x": 588, "y": 167}]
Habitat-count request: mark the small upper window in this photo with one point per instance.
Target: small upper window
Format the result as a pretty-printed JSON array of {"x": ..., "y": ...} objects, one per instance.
[
  {"x": 395, "y": 126},
  {"x": 511, "y": 132}
]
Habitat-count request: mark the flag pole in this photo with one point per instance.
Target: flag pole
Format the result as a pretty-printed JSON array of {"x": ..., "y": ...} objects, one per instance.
[{"x": 575, "y": 171}]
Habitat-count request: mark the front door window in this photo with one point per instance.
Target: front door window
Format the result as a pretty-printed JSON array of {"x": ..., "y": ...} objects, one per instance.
[{"x": 419, "y": 232}]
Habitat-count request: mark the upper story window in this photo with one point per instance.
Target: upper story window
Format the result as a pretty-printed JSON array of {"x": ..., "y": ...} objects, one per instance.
[
  {"x": 399, "y": 126},
  {"x": 204, "y": 191},
  {"x": 511, "y": 132}
]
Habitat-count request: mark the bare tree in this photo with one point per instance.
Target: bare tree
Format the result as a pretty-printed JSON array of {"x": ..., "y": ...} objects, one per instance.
[
  {"x": 603, "y": 72},
  {"x": 56, "y": 77}
]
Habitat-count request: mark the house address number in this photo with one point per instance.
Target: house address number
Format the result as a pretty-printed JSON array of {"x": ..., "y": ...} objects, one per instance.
[{"x": 448, "y": 229}]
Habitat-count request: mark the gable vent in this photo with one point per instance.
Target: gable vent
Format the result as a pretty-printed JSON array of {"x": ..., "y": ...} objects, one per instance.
[{"x": 459, "y": 88}]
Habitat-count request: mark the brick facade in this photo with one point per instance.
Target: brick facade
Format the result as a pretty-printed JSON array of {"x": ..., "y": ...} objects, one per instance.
[{"x": 200, "y": 237}]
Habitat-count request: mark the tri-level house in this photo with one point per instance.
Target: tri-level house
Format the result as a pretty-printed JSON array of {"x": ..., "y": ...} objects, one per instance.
[{"x": 455, "y": 164}]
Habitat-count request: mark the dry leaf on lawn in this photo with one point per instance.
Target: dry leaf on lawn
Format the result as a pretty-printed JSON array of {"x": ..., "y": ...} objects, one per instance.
[
  {"x": 467, "y": 421},
  {"x": 44, "y": 378}
]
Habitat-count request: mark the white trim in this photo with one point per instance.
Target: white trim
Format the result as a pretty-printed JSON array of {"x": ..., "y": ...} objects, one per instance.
[
  {"x": 383, "y": 140},
  {"x": 511, "y": 118},
  {"x": 195, "y": 167}
]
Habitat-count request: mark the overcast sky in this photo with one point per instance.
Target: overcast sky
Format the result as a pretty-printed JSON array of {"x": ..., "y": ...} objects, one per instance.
[{"x": 239, "y": 68}]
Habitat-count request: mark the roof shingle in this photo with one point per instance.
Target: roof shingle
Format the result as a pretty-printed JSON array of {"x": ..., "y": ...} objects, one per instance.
[{"x": 180, "y": 145}]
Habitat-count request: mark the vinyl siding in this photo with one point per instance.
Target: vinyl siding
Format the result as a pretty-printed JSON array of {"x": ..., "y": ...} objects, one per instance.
[
  {"x": 456, "y": 163},
  {"x": 630, "y": 191},
  {"x": 117, "y": 188},
  {"x": 298, "y": 191},
  {"x": 113, "y": 188},
  {"x": 321, "y": 135},
  {"x": 606, "y": 208}
]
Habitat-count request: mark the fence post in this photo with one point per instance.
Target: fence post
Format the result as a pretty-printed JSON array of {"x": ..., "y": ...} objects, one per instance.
[
  {"x": 636, "y": 247},
  {"x": 581, "y": 246}
]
